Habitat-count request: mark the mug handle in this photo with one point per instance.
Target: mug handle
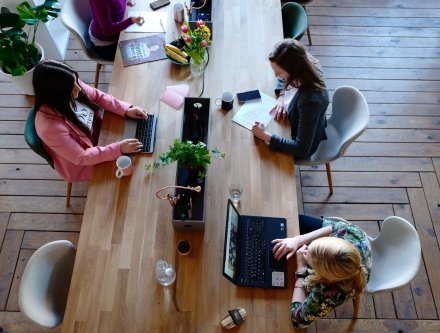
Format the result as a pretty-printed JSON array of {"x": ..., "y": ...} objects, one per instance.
[
  {"x": 218, "y": 99},
  {"x": 119, "y": 173}
]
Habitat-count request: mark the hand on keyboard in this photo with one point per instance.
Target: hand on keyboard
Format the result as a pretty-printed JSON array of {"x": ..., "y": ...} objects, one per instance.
[
  {"x": 130, "y": 146},
  {"x": 136, "y": 112}
]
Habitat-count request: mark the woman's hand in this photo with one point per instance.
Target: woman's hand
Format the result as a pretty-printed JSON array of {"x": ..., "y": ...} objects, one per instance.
[
  {"x": 260, "y": 131},
  {"x": 301, "y": 261},
  {"x": 286, "y": 245},
  {"x": 136, "y": 112},
  {"x": 128, "y": 146},
  {"x": 139, "y": 20},
  {"x": 131, "y": 3},
  {"x": 279, "y": 110}
]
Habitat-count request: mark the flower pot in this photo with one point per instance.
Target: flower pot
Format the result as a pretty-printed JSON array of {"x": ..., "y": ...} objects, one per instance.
[{"x": 24, "y": 82}]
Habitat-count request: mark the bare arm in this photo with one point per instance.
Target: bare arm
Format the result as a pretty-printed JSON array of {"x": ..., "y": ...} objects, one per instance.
[{"x": 290, "y": 245}]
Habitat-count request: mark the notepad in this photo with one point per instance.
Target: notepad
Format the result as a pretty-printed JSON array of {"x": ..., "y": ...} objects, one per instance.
[
  {"x": 153, "y": 21},
  {"x": 175, "y": 95},
  {"x": 255, "y": 110}
]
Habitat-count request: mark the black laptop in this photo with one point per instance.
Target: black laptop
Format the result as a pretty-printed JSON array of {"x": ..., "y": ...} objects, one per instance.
[
  {"x": 142, "y": 129},
  {"x": 248, "y": 259}
]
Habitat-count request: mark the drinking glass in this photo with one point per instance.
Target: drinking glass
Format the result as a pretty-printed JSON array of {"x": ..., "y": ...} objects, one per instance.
[{"x": 235, "y": 191}]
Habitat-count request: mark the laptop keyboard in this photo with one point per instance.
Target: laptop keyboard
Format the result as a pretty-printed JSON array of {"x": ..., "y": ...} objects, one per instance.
[
  {"x": 146, "y": 133},
  {"x": 255, "y": 252}
]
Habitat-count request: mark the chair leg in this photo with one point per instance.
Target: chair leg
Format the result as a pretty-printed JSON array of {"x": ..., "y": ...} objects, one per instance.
[
  {"x": 308, "y": 29},
  {"x": 329, "y": 177},
  {"x": 308, "y": 35},
  {"x": 69, "y": 190},
  {"x": 356, "y": 302},
  {"x": 98, "y": 69}
]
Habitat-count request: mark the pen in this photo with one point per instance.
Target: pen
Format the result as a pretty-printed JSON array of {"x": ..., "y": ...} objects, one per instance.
[{"x": 161, "y": 24}]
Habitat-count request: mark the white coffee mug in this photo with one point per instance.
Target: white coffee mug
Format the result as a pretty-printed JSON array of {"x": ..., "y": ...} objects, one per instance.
[
  {"x": 124, "y": 165},
  {"x": 179, "y": 13}
]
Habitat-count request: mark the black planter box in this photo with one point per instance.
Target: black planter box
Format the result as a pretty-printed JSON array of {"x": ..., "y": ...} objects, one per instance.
[{"x": 189, "y": 213}]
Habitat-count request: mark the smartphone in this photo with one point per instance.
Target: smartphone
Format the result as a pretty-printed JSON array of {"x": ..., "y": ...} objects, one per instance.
[
  {"x": 159, "y": 4},
  {"x": 248, "y": 95}
]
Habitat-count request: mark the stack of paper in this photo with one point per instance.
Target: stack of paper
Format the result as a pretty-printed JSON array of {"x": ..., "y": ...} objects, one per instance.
[
  {"x": 255, "y": 110},
  {"x": 153, "y": 21}
]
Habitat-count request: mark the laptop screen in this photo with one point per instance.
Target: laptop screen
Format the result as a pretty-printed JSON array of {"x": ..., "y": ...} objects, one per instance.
[{"x": 230, "y": 257}]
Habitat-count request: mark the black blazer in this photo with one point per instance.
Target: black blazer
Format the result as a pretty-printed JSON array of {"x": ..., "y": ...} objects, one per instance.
[{"x": 306, "y": 114}]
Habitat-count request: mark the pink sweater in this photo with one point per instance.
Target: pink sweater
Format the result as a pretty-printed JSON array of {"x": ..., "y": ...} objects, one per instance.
[{"x": 72, "y": 151}]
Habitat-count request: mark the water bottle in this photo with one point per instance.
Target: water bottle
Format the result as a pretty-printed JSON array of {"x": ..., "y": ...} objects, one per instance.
[{"x": 165, "y": 273}]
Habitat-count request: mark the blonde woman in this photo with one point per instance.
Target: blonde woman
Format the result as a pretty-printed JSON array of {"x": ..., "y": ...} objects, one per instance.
[{"x": 333, "y": 265}]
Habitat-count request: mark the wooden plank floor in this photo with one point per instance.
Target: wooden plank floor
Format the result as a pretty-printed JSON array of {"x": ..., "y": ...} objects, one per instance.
[{"x": 390, "y": 50}]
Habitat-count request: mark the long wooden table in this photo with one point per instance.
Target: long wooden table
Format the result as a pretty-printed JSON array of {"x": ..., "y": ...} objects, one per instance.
[{"x": 126, "y": 229}]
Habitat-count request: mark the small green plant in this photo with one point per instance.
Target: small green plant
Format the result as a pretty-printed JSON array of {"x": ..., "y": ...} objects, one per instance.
[
  {"x": 18, "y": 52},
  {"x": 195, "y": 156}
]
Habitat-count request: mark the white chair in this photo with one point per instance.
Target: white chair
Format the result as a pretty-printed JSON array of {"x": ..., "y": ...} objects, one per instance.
[
  {"x": 76, "y": 16},
  {"x": 350, "y": 116},
  {"x": 396, "y": 257},
  {"x": 45, "y": 283}
]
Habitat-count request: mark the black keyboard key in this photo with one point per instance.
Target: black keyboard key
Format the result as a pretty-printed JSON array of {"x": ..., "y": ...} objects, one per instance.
[{"x": 146, "y": 133}]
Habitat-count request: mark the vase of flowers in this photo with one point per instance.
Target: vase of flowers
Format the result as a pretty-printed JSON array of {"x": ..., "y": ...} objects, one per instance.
[{"x": 196, "y": 43}]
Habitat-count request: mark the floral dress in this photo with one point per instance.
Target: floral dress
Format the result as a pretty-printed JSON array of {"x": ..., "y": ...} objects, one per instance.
[{"x": 323, "y": 298}]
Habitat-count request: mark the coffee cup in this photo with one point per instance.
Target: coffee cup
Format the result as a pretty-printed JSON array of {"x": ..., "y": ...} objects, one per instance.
[
  {"x": 226, "y": 101},
  {"x": 124, "y": 165},
  {"x": 184, "y": 247},
  {"x": 179, "y": 13}
]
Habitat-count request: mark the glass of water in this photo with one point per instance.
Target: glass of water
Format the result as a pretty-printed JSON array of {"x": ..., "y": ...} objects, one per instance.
[{"x": 235, "y": 191}]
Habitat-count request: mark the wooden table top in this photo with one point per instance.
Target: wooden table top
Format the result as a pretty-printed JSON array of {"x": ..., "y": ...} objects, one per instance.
[{"x": 126, "y": 229}]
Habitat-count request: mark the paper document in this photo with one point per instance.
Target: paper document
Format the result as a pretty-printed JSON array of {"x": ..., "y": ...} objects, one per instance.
[
  {"x": 255, "y": 110},
  {"x": 153, "y": 21}
]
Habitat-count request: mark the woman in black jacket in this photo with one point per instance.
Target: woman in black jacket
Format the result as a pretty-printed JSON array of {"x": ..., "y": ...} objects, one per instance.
[{"x": 306, "y": 112}]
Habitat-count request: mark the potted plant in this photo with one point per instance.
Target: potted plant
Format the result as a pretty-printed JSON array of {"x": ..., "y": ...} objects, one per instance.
[
  {"x": 19, "y": 53},
  {"x": 194, "y": 156}
]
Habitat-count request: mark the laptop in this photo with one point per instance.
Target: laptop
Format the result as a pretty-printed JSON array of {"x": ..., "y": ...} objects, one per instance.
[
  {"x": 142, "y": 129},
  {"x": 248, "y": 259}
]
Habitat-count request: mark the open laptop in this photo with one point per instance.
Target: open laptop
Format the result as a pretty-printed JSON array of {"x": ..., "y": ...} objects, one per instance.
[
  {"x": 144, "y": 130},
  {"x": 248, "y": 259}
]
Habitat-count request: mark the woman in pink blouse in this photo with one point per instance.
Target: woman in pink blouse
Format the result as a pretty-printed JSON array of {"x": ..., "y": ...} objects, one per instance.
[
  {"x": 68, "y": 120},
  {"x": 107, "y": 22}
]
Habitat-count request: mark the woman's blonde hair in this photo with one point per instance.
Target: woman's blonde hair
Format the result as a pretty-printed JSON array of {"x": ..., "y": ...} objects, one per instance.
[{"x": 335, "y": 260}]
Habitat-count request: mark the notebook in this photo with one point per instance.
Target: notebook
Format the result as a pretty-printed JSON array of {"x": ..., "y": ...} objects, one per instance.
[
  {"x": 144, "y": 130},
  {"x": 248, "y": 259}
]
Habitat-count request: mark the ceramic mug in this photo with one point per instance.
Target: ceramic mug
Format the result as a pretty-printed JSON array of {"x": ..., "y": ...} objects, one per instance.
[
  {"x": 178, "y": 11},
  {"x": 124, "y": 165},
  {"x": 226, "y": 101},
  {"x": 184, "y": 247}
]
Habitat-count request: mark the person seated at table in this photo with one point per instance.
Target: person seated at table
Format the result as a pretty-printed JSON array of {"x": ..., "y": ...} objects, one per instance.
[
  {"x": 333, "y": 259},
  {"x": 306, "y": 112},
  {"x": 107, "y": 22},
  {"x": 68, "y": 120}
]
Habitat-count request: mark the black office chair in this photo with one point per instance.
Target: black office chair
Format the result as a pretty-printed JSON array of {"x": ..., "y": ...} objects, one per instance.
[
  {"x": 76, "y": 16},
  {"x": 35, "y": 143}
]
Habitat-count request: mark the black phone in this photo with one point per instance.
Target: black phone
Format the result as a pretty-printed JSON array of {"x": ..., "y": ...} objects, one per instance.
[
  {"x": 159, "y": 4},
  {"x": 248, "y": 95}
]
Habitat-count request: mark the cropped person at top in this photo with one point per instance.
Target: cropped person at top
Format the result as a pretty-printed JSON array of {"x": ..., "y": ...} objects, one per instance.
[
  {"x": 107, "y": 22},
  {"x": 333, "y": 259},
  {"x": 68, "y": 120},
  {"x": 306, "y": 112}
]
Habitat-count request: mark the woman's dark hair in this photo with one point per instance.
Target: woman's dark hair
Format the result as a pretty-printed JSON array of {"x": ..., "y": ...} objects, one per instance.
[
  {"x": 291, "y": 56},
  {"x": 53, "y": 83}
]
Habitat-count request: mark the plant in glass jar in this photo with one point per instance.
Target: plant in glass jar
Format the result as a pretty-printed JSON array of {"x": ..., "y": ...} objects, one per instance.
[{"x": 196, "y": 41}]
